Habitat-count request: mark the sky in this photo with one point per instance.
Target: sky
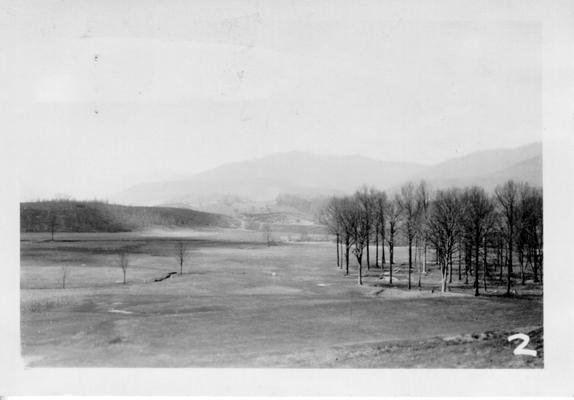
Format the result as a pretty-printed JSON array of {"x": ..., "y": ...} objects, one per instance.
[{"x": 103, "y": 95}]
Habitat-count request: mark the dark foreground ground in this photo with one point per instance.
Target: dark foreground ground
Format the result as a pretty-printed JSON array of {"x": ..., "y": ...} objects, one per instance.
[{"x": 241, "y": 303}]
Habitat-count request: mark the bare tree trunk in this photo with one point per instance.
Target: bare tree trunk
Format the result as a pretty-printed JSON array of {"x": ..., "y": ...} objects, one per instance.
[
  {"x": 338, "y": 259},
  {"x": 535, "y": 267},
  {"x": 459, "y": 260},
  {"x": 447, "y": 287},
  {"x": 521, "y": 260},
  {"x": 476, "y": 253},
  {"x": 391, "y": 250},
  {"x": 467, "y": 262},
  {"x": 53, "y": 226},
  {"x": 64, "y": 276},
  {"x": 444, "y": 272},
  {"x": 376, "y": 249},
  {"x": 498, "y": 256},
  {"x": 418, "y": 262},
  {"x": 425, "y": 257},
  {"x": 485, "y": 262},
  {"x": 509, "y": 261},
  {"x": 450, "y": 268},
  {"x": 383, "y": 246},
  {"x": 502, "y": 261},
  {"x": 410, "y": 260},
  {"x": 540, "y": 266},
  {"x": 484, "y": 276},
  {"x": 341, "y": 251},
  {"x": 347, "y": 249},
  {"x": 360, "y": 280},
  {"x": 368, "y": 256}
]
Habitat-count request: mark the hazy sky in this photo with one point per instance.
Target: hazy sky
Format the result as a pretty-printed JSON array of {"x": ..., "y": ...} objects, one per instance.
[{"x": 110, "y": 93}]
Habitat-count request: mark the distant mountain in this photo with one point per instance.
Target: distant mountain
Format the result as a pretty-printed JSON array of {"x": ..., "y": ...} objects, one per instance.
[
  {"x": 92, "y": 216},
  {"x": 235, "y": 187},
  {"x": 265, "y": 178},
  {"x": 487, "y": 168}
]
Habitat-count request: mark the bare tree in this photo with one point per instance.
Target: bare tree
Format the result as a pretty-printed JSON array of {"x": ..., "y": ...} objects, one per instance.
[
  {"x": 360, "y": 235},
  {"x": 536, "y": 239},
  {"x": 394, "y": 216},
  {"x": 65, "y": 270},
  {"x": 124, "y": 263},
  {"x": 52, "y": 222},
  {"x": 381, "y": 205},
  {"x": 409, "y": 210},
  {"x": 477, "y": 222},
  {"x": 444, "y": 228},
  {"x": 529, "y": 229},
  {"x": 348, "y": 221},
  {"x": 331, "y": 217},
  {"x": 365, "y": 197},
  {"x": 507, "y": 195},
  {"x": 181, "y": 252},
  {"x": 423, "y": 204}
]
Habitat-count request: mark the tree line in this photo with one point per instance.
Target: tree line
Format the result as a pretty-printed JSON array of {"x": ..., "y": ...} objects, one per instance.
[
  {"x": 466, "y": 226},
  {"x": 96, "y": 216}
]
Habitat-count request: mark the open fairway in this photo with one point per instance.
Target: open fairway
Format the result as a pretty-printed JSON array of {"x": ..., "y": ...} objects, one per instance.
[{"x": 241, "y": 303}]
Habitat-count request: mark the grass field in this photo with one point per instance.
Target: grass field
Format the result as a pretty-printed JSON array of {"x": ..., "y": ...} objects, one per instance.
[{"x": 241, "y": 303}]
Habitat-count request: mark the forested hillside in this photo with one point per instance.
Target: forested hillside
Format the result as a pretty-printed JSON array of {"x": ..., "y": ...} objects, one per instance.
[{"x": 94, "y": 216}]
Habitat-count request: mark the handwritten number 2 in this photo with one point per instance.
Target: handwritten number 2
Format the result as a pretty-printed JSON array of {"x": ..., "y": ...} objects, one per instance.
[{"x": 521, "y": 347}]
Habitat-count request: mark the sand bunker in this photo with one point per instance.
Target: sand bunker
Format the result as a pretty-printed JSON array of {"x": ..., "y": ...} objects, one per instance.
[
  {"x": 120, "y": 311},
  {"x": 269, "y": 290}
]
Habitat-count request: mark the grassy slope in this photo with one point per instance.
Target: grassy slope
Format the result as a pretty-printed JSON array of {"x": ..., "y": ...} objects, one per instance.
[
  {"x": 77, "y": 216},
  {"x": 241, "y": 303}
]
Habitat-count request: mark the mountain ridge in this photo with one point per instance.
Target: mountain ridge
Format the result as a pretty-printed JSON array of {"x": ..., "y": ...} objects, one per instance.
[{"x": 307, "y": 174}]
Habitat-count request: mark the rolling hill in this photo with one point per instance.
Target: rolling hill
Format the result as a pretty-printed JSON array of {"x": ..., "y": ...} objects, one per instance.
[
  {"x": 79, "y": 216},
  {"x": 232, "y": 188},
  {"x": 265, "y": 178},
  {"x": 487, "y": 168}
]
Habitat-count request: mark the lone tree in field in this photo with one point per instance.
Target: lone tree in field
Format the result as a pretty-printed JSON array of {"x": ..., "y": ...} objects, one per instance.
[
  {"x": 507, "y": 196},
  {"x": 52, "y": 222},
  {"x": 181, "y": 250},
  {"x": 124, "y": 263},
  {"x": 65, "y": 272}
]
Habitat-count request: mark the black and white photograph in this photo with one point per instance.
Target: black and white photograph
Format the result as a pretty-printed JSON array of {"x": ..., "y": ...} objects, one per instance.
[{"x": 286, "y": 187}]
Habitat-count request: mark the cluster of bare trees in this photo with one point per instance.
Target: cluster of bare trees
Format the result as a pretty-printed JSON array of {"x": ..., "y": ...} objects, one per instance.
[
  {"x": 481, "y": 230},
  {"x": 181, "y": 252}
]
